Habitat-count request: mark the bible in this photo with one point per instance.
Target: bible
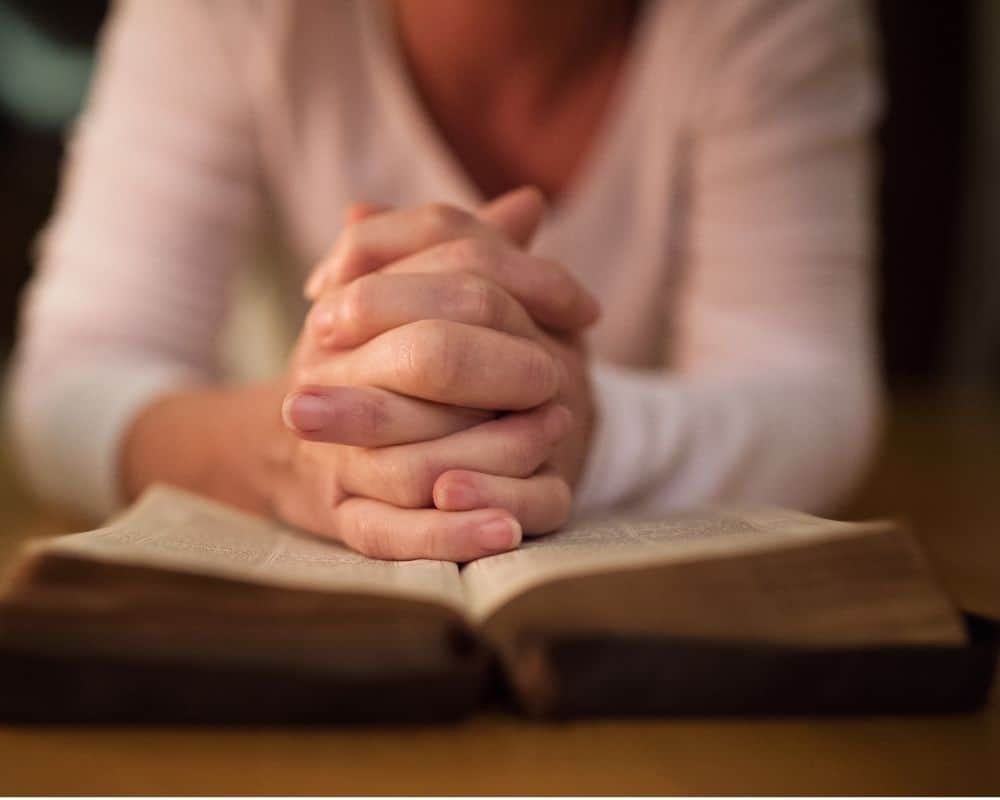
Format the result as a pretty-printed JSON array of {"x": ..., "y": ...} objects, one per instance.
[{"x": 183, "y": 609}]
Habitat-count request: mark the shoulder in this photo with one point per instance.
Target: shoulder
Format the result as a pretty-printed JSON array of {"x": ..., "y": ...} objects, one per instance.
[
  {"x": 735, "y": 23},
  {"x": 741, "y": 56},
  {"x": 291, "y": 34},
  {"x": 245, "y": 30}
]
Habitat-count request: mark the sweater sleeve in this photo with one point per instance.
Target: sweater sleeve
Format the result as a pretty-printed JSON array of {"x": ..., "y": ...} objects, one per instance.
[
  {"x": 134, "y": 268},
  {"x": 773, "y": 392}
]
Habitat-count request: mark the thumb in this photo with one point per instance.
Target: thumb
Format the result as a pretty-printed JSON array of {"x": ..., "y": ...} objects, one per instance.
[{"x": 516, "y": 213}]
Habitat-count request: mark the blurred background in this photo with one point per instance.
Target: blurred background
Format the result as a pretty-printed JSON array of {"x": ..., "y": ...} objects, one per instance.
[{"x": 940, "y": 291}]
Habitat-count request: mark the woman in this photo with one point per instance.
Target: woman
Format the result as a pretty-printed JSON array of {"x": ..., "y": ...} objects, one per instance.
[{"x": 454, "y": 385}]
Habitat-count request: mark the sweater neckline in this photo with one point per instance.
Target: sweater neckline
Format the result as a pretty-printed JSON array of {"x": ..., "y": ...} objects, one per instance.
[{"x": 440, "y": 164}]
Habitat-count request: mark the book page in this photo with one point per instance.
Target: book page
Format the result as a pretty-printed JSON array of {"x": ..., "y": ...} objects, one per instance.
[
  {"x": 599, "y": 544},
  {"x": 175, "y": 530}
]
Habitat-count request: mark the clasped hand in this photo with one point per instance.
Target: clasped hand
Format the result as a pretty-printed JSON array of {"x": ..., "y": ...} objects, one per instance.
[{"x": 438, "y": 404}]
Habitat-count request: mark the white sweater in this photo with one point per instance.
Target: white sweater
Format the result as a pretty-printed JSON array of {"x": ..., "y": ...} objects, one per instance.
[{"x": 724, "y": 219}]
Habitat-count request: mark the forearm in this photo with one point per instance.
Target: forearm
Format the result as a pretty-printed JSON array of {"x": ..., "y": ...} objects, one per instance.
[
  {"x": 215, "y": 441},
  {"x": 788, "y": 437}
]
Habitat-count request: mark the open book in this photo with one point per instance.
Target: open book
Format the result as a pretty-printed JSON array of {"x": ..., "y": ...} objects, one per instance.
[{"x": 182, "y": 608}]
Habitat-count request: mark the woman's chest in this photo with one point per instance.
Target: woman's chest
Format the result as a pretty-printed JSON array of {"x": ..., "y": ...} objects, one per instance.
[{"x": 520, "y": 135}]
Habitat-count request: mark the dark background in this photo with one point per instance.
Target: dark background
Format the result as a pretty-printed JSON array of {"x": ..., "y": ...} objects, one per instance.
[{"x": 931, "y": 143}]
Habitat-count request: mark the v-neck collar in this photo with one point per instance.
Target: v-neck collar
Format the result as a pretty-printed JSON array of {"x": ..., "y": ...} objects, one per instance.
[{"x": 392, "y": 77}]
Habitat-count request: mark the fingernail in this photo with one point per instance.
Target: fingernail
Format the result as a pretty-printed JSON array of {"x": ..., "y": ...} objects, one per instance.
[
  {"x": 558, "y": 422},
  {"x": 500, "y": 534},
  {"x": 305, "y": 413}
]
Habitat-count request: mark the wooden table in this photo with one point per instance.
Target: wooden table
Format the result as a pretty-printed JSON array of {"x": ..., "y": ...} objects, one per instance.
[{"x": 941, "y": 470}]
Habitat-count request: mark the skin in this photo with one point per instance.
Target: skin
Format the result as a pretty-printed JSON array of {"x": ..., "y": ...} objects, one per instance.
[
  {"x": 437, "y": 403},
  {"x": 518, "y": 89},
  {"x": 459, "y": 296}
]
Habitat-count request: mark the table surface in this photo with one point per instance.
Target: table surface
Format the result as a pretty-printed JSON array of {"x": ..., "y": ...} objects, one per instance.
[{"x": 939, "y": 470}]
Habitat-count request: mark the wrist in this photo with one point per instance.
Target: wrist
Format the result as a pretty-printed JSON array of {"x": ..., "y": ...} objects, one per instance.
[{"x": 214, "y": 441}]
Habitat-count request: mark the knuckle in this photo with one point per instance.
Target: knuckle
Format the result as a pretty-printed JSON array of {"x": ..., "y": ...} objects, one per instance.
[
  {"x": 434, "y": 357},
  {"x": 404, "y": 481},
  {"x": 357, "y": 253},
  {"x": 562, "y": 501},
  {"x": 433, "y": 542},
  {"x": 418, "y": 487},
  {"x": 566, "y": 292},
  {"x": 301, "y": 374},
  {"x": 313, "y": 371},
  {"x": 480, "y": 302},
  {"x": 539, "y": 373},
  {"x": 492, "y": 308},
  {"x": 374, "y": 540},
  {"x": 471, "y": 252},
  {"x": 386, "y": 544},
  {"x": 356, "y": 303},
  {"x": 526, "y": 450},
  {"x": 442, "y": 217},
  {"x": 350, "y": 243},
  {"x": 556, "y": 283},
  {"x": 357, "y": 533}
]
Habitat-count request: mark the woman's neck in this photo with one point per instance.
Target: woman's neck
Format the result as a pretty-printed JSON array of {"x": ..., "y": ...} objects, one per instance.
[
  {"x": 482, "y": 47},
  {"x": 517, "y": 88}
]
